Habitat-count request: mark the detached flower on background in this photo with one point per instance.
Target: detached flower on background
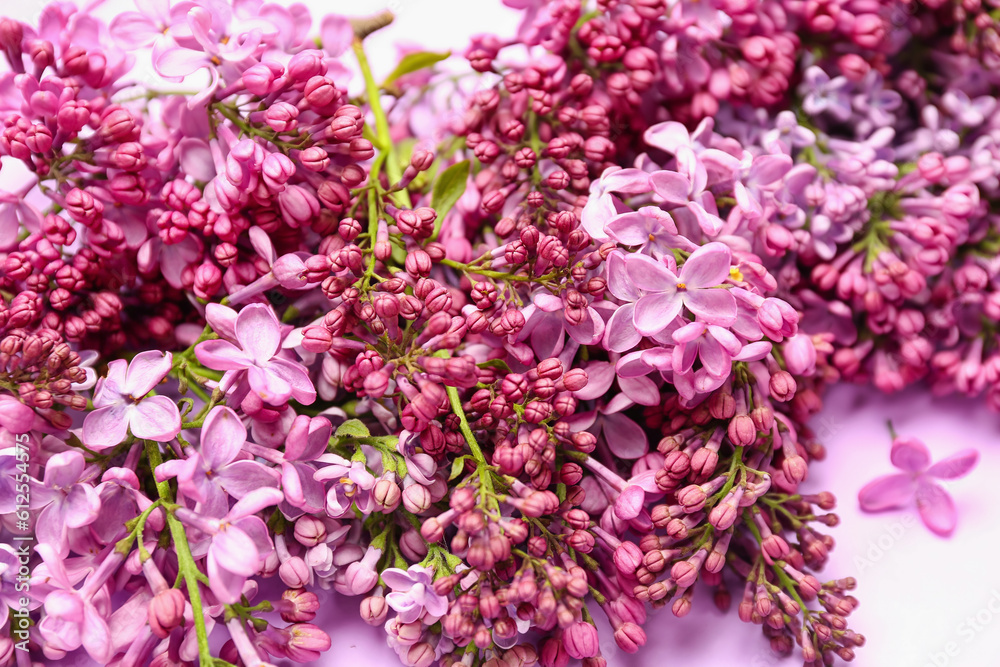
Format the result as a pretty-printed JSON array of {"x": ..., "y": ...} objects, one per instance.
[{"x": 917, "y": 482}]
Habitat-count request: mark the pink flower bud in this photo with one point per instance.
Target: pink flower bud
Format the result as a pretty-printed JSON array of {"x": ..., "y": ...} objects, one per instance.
[
  {"x": 260, "y": 78},
  {"x": 166, "y": 611},
  {"x": 742, "y": 431},
  {"x": 387, "y": 494},
  {"x": 299, "y": 605},
  {"x": 630, "y": 637},
  {"x": 374, "y": 610},
  {"x": 306, "y": 642},
  {"x": 416, "y": 498},
  {"x": 295, "y": 573},
  {"x": 310, "y": 531},
  {"x": 581, "y": 641}
]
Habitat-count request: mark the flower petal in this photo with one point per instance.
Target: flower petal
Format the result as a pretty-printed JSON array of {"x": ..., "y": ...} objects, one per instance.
[
  {"x": 222, "y": 437},
  {"x": 936, "y": 508},
  {"x": 625, "y": 438},
  {"x": 222, "y": 355},
  {"x": 640, "y": 389},
  {"x": 620, "y": 333},
  {"x": 271, "y": 388},
  {"x": 655, "y": 312},
  {"x": 105, "y": 427},
  {"x": 888, "y": 492},
  {"x": 716, "y": 306},
  {"x": 241, "y": 477},
  {"x": 910, "y": 454},
  {"x": 177, "y": 61},
  {"x": 297, "y": 378},
  {"x": 629, "y": 503},
  {"x": 649, "y": 274},
  {"x": 707, "y": 266},
  {"x": 155, "y": 418},
  {"x": 81, "y": 506},
  {"x": 145, "y": 372},
  {"x": 672, "y": 187},
  {"x": 258, "y": 332},
  {"x": 957, "y": 465}
]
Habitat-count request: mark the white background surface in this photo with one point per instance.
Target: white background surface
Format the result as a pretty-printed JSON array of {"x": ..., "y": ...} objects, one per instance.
[{"x": 921, "y": 596}]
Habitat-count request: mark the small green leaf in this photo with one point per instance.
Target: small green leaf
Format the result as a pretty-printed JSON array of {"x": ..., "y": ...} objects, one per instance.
[
  {"x": 448, "y": 188},
  {"x": 413, "y": 62},
  {"x": 498, "y": 364},
  {"x": 457, "y": 467},
  {"x": 353, "y": 428}
]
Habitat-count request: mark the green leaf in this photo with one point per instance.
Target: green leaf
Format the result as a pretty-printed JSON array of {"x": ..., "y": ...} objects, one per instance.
[
  {"x": 457, "y": 467},
  {"x": 413, "y": 62},
  {"x": 353, "y": 428},
  {"x": 498, "y": 364},
  {"x": 448, "y": 188}
]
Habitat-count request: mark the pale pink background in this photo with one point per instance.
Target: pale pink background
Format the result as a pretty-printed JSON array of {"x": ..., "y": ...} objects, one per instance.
[{"x": 918, "y": 592}]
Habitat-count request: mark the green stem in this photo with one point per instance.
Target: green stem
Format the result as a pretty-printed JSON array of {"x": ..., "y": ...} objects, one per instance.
[
  {"x": 482, "y": 465},
  {"x": 383, "y": 139},
  {"x": 185, "y": 561}
]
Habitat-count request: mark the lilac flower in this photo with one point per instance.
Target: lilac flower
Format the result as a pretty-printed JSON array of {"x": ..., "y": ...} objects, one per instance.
[
  {"x": 272, "y": 378},
  {"x": 9, "y": 594},
  {"x": 121, "y": 403},
  {"x": 306, "y": 441},
  {"x": 15, "y": 416},
  {"x": 755, "y": 176},
  {"x": 213, "y": 46},
  {"x": 547, "y": 321},
  {"x": 787, "y": 134},
  {"x": 66, "y": 498},
  {"x": 968, "y": 112},
  {"x": 72, "y": 618},
  {"x": 238, "y": 542},
  {"x": 602, "y": 205},
  {"x": 213, "y": 473},
  {"x": 663, "y": 293},
  {"x": 413, "y": 593},
  {"x": 917, "y": 482},
  {"x": 353, "y": 485},
  {"x": 713, "y": 345},
  {"x": 150, "y": 25},
  {"x": 825, "y": 94},
  {"x": 288, "y": 271},
  {"x": 625, "y": 438},
  {"x": 650, "y": 230},
  {"x": 877, "y": 103}
]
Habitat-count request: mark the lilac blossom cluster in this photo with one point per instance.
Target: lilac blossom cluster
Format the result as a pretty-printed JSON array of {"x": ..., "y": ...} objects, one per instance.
[{"x": 553, "y": 353}]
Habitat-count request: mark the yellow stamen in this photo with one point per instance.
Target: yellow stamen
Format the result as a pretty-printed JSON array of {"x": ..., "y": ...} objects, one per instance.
[
  {"x": 735, "y": 274},
  {"x": 681, "y": 287}
]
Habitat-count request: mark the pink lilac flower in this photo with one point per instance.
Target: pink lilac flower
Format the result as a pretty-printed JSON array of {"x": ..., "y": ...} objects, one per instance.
[
  {"x": 659, "y": 294},
  {"x": 72, "y": 617},
  {"x": 215, "y": 471},
  {"x": 413, "y": 593},
  {"x": 258, "y": 335},
  {"x": 121, "y": 404},
  {"x": 352, "y": 486},
  {"x": 917, "y": 481},
  {"x": 66, "y": 499},
  {"x": 238, "y": 543},
  {"x": 15, "y": 416}
]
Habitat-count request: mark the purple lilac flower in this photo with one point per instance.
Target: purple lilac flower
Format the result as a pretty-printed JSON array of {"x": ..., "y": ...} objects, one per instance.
[
  {"x": 215, "y": 472},
  {"x": 413, "y": 593},
  {"x": 258, "y": 335},
  {"x": 917, "y": 481},
  {"x": 121, "y": 403}
]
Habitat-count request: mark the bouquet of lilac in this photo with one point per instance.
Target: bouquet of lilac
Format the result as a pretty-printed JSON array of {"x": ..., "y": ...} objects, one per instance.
[{"x": 492, "y": 357}]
